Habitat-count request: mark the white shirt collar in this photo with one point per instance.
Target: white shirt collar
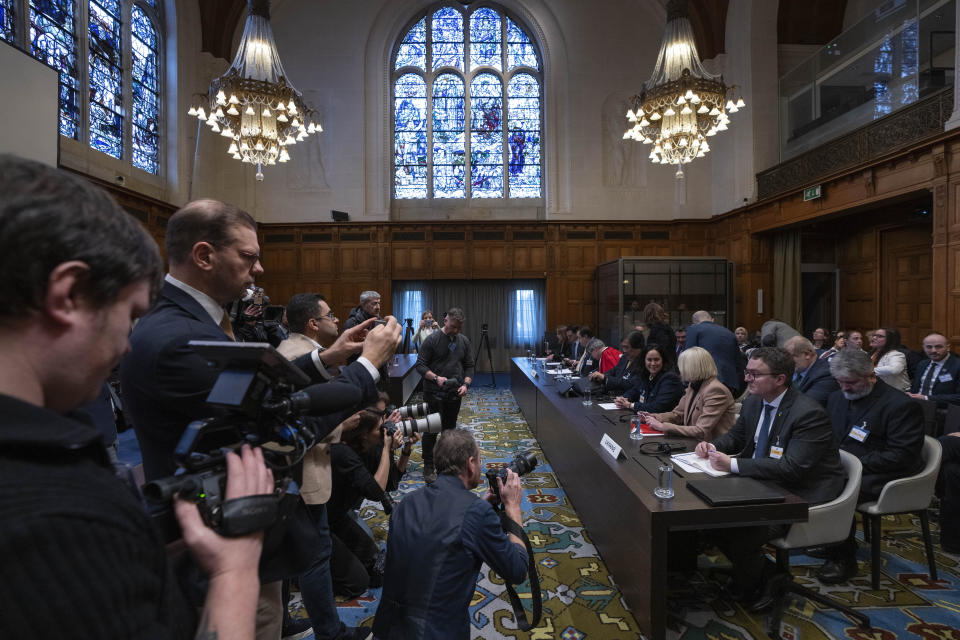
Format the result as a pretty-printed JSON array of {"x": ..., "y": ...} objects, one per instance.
[
  {"x": 209, "y": 304},
  {"x": 316, "y": 345}
]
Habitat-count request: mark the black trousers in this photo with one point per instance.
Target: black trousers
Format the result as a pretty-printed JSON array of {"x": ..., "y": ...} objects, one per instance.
[
  {"x": 743, "y": 546},
  {"x": 353, "y": 557},
  {"x": 948, "y": 490},
  {"x": 448, "y": 406}
]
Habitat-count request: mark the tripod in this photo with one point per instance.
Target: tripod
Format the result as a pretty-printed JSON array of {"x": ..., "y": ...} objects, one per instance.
[{"x": 485, "y": 340}]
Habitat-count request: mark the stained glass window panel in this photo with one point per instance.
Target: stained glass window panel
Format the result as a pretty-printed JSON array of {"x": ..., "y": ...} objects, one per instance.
[
  {"x": 413, "y": 49},
  {"x": 447, "y": 32},
  {"x": 7, "y": 21},
  {"x": 520, "y": 51},
  {"x": 410, "y": 137},
  {"x": 144, "y": 52},
  {"x": 448, "y": 137},
  {"x": 53, "y": 40},
  {"x": 523, "y": 139},
  {"x": 486, "y": 136},
  {"x": 485, "y": 39},
  {"x": 106, "y": 78}
]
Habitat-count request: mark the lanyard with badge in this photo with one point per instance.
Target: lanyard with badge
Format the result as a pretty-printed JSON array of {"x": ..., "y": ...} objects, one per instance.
[
  {"x": 776, "y": 451},
  {"x": 859, "y": 432}
]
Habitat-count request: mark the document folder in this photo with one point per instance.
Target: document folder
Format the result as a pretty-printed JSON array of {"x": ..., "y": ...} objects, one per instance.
[{"x": 733, "y": 490}]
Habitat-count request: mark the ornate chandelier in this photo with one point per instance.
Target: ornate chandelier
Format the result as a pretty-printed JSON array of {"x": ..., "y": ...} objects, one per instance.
[
  {"x": 253, "y": 104},
  {"x": 681, "y": 105}
]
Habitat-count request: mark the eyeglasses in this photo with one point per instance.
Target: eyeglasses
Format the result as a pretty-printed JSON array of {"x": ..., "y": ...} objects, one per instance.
[
  {"x": 252, "y": 258},
  {"x": 329, "y": 316},
  {"x": 750, "y": 375}
]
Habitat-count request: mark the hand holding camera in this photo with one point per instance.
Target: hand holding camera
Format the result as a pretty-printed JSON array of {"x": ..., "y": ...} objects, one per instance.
[{"x": 247, "y": 475}]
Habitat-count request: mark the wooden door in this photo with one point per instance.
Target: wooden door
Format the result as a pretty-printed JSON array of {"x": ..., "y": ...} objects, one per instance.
[{"x": 906, "y": 282}]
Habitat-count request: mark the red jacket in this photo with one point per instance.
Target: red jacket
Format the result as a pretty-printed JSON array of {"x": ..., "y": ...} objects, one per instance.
[{"x": 608, "y": 359}]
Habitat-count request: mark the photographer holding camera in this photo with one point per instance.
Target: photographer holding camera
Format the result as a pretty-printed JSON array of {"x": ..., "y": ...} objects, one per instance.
[
  {"x": 214, "y": 257},
  {"x": 446, "y": 364},
  {"x": 440, "y": 536},
  {"x": 363, "y": 467},
  {"x": 81, "y": 558}
]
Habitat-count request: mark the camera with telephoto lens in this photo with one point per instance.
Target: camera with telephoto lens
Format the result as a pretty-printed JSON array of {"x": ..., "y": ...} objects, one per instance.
[
  {"x": 521, "y": 465},
  {"x": 414, "y": 410},
  {"x": 427, "y": 424},
  {"x": 258, "y": 388}
]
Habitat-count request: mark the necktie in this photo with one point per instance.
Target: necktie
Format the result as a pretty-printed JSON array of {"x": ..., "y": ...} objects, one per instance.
[
  {"x": 227, "y": 326},
  {"x": 928, "y": 379},
  {"x": 764, "y": 435}
]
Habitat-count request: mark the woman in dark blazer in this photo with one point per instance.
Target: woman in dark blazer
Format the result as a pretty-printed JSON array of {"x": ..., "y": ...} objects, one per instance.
[
  {"x": 659, "y": 332},
  {"x": 706, "y": 409},
  {"x": 623, "y": 376},
  {"x": 655, "y": 388}
]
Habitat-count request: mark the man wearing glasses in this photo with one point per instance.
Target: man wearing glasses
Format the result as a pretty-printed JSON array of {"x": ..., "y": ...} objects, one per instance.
[
  {"x": 214, "y": 257},
  {"x": 781, "y": 436},
  {"x": 312, "y": 326}
]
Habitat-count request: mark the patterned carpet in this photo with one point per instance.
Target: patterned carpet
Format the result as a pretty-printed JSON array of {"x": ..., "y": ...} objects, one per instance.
[{"x": 580, "y": 597}]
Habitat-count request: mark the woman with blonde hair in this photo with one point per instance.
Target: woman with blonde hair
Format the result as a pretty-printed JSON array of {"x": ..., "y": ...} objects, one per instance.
[{"x": 706, "y": 408}]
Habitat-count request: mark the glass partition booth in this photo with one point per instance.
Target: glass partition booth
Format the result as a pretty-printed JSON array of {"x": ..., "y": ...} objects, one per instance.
[{"x": 680, "y": 285}]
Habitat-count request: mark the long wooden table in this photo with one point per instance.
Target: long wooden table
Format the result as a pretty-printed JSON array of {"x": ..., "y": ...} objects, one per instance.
[
  {"x": 614, "y": 498},
  {"x": 404, "y": 377}
]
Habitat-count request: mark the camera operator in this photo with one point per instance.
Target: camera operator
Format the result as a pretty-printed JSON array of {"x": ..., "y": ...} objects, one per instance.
[
  {"x": 439, "y": 537},
  {"x": 363, "y": 467},
  {"x": 446, "y": 364},
  {"x": 214, "y": 257},
  {"x": 80, "y": 556}
]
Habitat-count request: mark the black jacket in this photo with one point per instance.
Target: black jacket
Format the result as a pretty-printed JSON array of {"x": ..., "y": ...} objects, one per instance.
[
  {"x": 895, "y": 441},
  {"x": 80, "y": 557},
  {"x": 357, "y": 316},
  {"x": 818, "y": 383},
  {"x": 663, "y": 336},
  {"x": 623, "y": 376},
  {"x": 659, "y": 395},
  {"x": 946, "y": 387},
  {"x": 810, "y": 465}
]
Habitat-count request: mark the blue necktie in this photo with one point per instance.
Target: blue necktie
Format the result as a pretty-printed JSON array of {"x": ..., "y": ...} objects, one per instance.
[{"x": 761, "y": 450}]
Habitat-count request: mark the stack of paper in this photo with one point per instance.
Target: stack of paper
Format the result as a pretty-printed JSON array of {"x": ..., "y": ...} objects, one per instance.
[{"x": 692, "y": 463}]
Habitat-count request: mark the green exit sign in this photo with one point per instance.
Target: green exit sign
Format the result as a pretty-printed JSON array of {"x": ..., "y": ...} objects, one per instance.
[{"x": 811, "y": 193}]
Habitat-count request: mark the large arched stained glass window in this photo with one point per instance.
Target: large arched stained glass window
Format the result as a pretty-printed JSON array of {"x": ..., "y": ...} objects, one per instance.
[
  {"x": 467, "y": 110},
  {"x": 109, "y": 98}
]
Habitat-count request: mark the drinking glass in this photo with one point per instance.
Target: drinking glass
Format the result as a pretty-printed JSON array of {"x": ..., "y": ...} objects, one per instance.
[
  {"x": 587, "y": 397},
  {"x": 664, "y": 488},
  {"x": 635, "y": 432}
]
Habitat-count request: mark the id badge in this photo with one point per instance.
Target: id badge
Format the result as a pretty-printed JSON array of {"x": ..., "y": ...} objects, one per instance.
[
  {"x": 859, "y": 433},
  {"x": 776, "y": 452},
  {"x": 452, "y": 346}
]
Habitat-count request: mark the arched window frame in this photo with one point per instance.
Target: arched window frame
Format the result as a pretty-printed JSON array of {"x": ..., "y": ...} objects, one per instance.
[
  {"x": 467, "y": 75},
  {"x": 81, "y": 33}
]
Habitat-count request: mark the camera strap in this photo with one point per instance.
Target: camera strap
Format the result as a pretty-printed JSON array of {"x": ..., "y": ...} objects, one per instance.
[{"x": 518, "y": 613}]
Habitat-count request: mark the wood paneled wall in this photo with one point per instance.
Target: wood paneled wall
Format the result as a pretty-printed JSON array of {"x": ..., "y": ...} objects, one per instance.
[{"x": 342, "y": 259}]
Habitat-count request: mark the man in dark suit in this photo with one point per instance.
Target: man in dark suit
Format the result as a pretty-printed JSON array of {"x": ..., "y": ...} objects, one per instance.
[
  {"x": 781, "y": 436},
  {"x": 214, "y": 256},
  {"x": 881, "y": 426},
  {"x": 938, "y": 377},
  {"x": 811, "y": 376},
  {"x": 722, "y": 345}
]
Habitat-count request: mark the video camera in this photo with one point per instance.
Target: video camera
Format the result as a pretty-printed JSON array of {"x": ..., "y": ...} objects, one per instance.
[
  {"x": 522, "y": 464},
  {"x": 257, "y": 386}
]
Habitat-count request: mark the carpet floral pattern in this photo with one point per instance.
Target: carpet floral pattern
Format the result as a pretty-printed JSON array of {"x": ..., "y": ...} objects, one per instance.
[{"x": 580, "y": 597}]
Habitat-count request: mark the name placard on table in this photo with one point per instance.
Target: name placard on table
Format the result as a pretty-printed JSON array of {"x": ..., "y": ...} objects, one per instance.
[{"x": 611, "y": 447}]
